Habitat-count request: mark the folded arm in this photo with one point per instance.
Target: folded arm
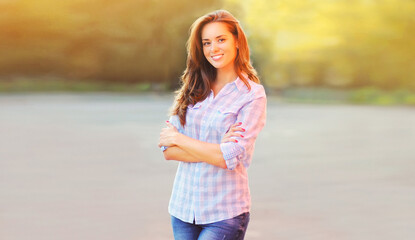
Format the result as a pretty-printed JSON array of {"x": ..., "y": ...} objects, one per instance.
[
  {"x": 176, "y": 153},
  {"x": 227, "y": 154},
  {"x": 207, "y": 152},
  {"x": 187, "y": 149}
]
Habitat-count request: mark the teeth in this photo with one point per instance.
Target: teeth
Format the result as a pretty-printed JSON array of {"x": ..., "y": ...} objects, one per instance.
[{"x": 216, "y": 57}]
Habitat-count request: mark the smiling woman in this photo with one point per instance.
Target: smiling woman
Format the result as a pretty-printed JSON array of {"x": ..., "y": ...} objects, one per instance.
[
  {"x": 219, "y": 46},
  {"x": 220, "y": 99}
]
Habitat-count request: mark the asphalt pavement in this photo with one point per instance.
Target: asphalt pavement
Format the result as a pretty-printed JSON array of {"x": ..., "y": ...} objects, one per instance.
[{"x": 87, "y": 166}]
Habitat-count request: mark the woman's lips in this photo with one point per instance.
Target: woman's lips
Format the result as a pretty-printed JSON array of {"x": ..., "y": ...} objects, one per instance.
[{"x": 217, "y": 57}]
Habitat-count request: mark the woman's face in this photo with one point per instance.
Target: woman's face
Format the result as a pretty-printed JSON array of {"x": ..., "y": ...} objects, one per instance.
[{"x": 219, "y": 45}]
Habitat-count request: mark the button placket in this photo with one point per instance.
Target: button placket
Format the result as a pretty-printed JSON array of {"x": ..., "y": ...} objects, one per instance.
[{"x": 204, "y": 122}]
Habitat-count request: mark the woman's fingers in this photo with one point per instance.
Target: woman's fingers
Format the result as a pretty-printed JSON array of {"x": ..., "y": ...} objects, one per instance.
[
  {"x": 167, "y": 135},
  {"x": 233, "y": 126},
  {"x": 228, "y": 139},
  {"x": 236, "y": 129},
  {"x": 234, "y": 134}
]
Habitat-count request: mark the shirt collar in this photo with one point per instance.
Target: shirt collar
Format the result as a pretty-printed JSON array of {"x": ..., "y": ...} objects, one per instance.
[
  {"x": 239, "y": 84},
  {"x": 228, "y": 88}
]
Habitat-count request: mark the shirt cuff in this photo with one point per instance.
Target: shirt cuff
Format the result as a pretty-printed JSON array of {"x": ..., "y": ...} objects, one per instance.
[{"x": 232, "y": 152}]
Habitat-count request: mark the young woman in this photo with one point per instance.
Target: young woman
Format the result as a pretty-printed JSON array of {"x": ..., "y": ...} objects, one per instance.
[{"x": 216, "y": 117}]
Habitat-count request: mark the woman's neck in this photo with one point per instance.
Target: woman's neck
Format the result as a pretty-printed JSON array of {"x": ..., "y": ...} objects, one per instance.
[{"x": 224, "y": 76}]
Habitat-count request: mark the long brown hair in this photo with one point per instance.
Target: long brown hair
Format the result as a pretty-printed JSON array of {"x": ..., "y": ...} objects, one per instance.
[{"x": 199, "y": 74}]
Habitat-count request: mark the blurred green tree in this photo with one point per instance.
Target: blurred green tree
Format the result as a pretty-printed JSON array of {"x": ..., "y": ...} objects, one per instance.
[
  {"x": 345, "y": 44},
  {"x": 104, "y": 40},
  {"x": 325, "y": 43}
]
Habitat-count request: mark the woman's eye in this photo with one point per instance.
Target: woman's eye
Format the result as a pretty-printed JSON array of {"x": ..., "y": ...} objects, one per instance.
[
  {"x": 206, "y": 43},
  {"x": 221, "y": 40}
]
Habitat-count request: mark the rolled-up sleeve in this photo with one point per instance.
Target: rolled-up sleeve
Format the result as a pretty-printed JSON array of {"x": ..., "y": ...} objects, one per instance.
[
  {"x": 232, "y": 152},
  {"x": 253, "y": 118},
  {"x": 175, "y": 121}
]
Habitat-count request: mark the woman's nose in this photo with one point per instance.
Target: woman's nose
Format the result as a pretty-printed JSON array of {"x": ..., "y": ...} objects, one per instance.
[{"x": 214, "y": 47}]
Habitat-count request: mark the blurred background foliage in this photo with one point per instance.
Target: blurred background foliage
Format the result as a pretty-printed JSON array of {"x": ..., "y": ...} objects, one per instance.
[{"x": 362, "y": 47}]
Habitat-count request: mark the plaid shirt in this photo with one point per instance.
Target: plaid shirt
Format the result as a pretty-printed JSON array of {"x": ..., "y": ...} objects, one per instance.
[{"x": 205, "y": 193}]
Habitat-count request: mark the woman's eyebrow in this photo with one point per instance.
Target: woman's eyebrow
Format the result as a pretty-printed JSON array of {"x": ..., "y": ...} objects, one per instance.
[{"x": 206, "y": 39}]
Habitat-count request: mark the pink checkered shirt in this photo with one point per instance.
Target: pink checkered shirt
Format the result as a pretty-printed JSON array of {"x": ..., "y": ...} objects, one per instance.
[{"x": 205, "y": 193}]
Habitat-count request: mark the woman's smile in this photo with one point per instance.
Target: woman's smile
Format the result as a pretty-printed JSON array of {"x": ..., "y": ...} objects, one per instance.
[{"x": 217, "y": 57}]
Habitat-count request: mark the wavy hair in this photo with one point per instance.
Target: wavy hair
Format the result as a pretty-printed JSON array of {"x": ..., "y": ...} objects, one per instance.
[{"x": 199, "y": 74}]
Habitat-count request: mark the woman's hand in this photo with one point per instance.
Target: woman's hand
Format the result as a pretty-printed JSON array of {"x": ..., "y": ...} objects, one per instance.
[
  {"x": 168, "y": 135},
  {"x": 232, "y": 132}
]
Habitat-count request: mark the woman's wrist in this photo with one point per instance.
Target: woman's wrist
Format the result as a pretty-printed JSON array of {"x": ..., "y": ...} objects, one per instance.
[{"x": 178, "y": 139}]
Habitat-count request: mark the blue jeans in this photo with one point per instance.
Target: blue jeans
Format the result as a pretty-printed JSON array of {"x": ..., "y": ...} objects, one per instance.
[{"x": 229, "y": 229}]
